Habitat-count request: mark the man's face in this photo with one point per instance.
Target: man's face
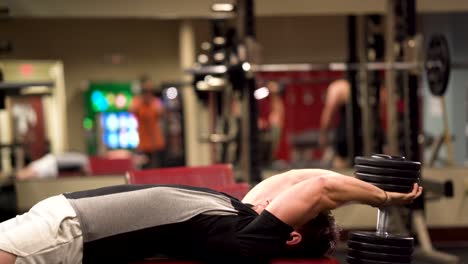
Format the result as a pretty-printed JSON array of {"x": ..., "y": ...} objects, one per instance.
[
  {"x": 273, "y": 87},
  {"x": 147, "y": 85},
  {"x": 147, "y": 89}
]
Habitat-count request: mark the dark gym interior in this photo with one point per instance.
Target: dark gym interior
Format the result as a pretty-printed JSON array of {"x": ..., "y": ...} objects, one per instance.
[{"x": 230, "y": 95}]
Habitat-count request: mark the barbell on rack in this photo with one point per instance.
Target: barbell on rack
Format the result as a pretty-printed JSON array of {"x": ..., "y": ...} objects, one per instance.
[{"x": 437, "y": 66}]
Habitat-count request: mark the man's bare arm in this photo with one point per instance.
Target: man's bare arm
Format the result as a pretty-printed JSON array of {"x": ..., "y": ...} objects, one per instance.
[{"x": 303, "y": 201}]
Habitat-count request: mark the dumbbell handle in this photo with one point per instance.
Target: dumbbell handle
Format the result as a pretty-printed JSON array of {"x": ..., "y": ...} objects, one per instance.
[{"x": 383, "y": 216}]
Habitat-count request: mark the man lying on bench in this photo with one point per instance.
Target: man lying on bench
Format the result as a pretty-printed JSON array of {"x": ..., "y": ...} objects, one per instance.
[
  {"x": 50, "y": 165},
  {"x": 287, "y": 215}
]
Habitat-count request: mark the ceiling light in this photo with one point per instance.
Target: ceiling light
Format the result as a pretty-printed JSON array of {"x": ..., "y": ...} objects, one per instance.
[
  {"x": 246, "y": 66},
  {"x": 171, "y": 93},
  {"x": 206, "y": 46},
  {"x": 219, "y": 56},
  {"x": 222, "y": 7},
  {"x": 219, "y": 41},
  {"x": 216, "y": 82},
  {"x": 203, "y": 58},
  {"x": 261, "y": 93}
]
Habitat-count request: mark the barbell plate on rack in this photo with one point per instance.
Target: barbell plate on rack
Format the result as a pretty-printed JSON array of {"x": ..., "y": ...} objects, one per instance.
[
  {"x": 386, "y": 240},
  {"x": 379, "y": 248},
  {"x": 352, "y": 260},
  {"x": 388, "y": 163},
  {"x": 378, "y": 256},
  {"x": 438, "y": 64},
  {"x": 387, "y": 171}
]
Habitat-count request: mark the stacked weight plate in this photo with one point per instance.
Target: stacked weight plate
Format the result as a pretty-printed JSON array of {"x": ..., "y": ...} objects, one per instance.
[
  {"x": 392, "y": 174},
  {"x": 371, "y": 248}
]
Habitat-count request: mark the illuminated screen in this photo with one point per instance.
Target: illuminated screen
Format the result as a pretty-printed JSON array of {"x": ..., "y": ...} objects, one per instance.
[
  {"x": 119, "y": 130},
  {"x": 102, "y": 101}
]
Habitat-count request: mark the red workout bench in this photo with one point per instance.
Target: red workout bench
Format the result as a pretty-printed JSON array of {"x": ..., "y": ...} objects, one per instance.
[
  {"x": 106, "y": 166},
  {"x": 278, "y": 261},
  {"x": 201, "y": 176},
  {"x": 219, "y": 177},
  {"x": 100, "y": 166},
  {"x": 306, "y": 261}
]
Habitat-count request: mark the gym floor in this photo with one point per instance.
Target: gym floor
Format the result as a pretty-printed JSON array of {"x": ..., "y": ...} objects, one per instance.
[{"x": 460, "y": 250}]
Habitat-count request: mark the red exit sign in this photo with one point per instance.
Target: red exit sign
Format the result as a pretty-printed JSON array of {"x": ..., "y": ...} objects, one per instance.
[{"x": 26, "y": 70}]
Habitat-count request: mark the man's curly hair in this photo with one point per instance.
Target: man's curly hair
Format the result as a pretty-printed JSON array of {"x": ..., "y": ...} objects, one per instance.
[{"x": 319, "y": 238}]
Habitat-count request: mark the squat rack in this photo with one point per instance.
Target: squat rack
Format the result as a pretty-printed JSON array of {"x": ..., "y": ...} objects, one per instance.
[{"x": 402, "y": 68}]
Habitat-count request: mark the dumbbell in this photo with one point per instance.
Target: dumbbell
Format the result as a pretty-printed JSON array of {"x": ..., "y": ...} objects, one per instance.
[{"x": 392, "y": 174}]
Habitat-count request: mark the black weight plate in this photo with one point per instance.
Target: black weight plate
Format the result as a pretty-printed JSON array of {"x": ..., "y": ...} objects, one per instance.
[
  {"x": 438, "y": 64},
  {"x": 393, "y": 188},
  {"x": 388, "y": 240},
  {"x": 379, "y": 248},
  {"x": 388, "y": 157},
  {"x": 380, "y": 161},
  {"x": 386, "y": 179},
  {"x": 386, "y": 171},
  {"x": 352, "y": 260},
  {"x": 379, "y": 256}
]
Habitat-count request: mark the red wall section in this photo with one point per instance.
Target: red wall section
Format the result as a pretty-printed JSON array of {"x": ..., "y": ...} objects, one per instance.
[{"x": 304, "y": 95}]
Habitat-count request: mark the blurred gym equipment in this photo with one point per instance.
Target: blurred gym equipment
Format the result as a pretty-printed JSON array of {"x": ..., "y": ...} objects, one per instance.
[
  {"x": 403, "y": 66},
  {"x": 393, "y": 48}
]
